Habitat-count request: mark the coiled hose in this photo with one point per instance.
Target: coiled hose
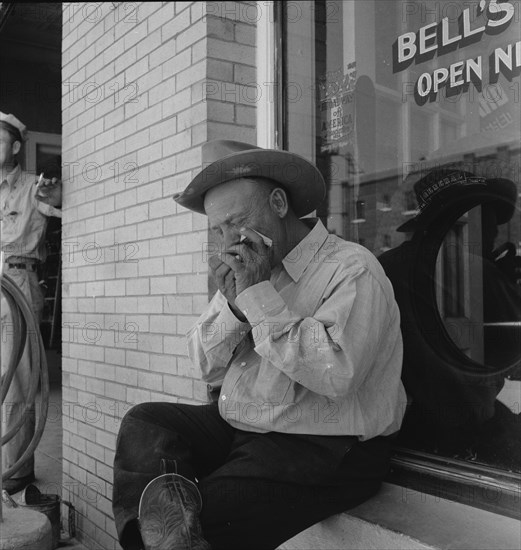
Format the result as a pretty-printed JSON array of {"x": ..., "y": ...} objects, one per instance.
[{"x": 24, "y": 324}]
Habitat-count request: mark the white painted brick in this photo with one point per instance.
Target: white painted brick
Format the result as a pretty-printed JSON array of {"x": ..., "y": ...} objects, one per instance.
[
  {"x": 163, "y": 324},
  {"x": 126, "y": 376},
  {"x": 182, "y": 223},
  {"x": 150, "y": 267},
  {"x": 177, "y": 143},
  {"x": 175, "y": 345},
  {"x": 126, "y": 269},
  {"x": 135, "y": 325},
  {"x": 162, "y": 285},
  {"x": 175, "y": 385},
  {"x": 189, "y": 76},
  {"x": 105, "y": 371},
  {"x": 135, "y": 35},
  {"x": 150, "y": 304},
  {"x": 149, "y": 229},
  {"x": 151, "y": 153},
  {"x": 193, "y": 242},
  {"x": 192, "y": 34},
  {"x": 158, "y": 18},
  {"x": 138, "y": 360},
  {"x": 218, "y": 69},
  {"x": 232, "y": 131},
  {"x": 136, "y": 214},
  {"x": 245, "y": 34},
  {"x": 173, "y": 65},
  {"x": 150, "y": 381},
  {"x": 164, "y": 168},
  {"x": 174, "y": 303},
  {"x": 163, "y": 364},
  {"x": 114, "y": 288},
  {"x": 152, "y": 42},
  {"x": 162, "y": 91},
  {"x": 151, "y": 79},
  {"x": 138, "y": 286},
  {"x": 180, "y": 263},
  {"x": 126, "y": 234},
  {"x": 245, "y": 115},
  {"x": 237, "y": 53},
  {"x": 172, "y": 27},
  {"x": 188, "y": 284},
  {"x": 137, "y": 395},
  {"x": 160, "y": 209},
  {"x": 244, "y": 74},
  {"x": 199, "y": 51}
]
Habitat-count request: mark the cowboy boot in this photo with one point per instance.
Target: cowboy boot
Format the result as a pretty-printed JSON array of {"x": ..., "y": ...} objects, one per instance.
[{"x": 169, "y": 514}]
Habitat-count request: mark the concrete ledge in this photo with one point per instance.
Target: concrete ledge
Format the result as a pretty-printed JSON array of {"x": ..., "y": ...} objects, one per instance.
[
  {"x": 345, "y": 532},
  {"x": 399, "y": 518}
]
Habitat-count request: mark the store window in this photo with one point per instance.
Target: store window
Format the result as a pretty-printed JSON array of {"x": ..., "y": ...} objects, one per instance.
[{"x": 411, "y": 111}]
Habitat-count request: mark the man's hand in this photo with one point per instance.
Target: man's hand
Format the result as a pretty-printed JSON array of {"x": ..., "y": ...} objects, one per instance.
[
  {"x": 241, "y": 266},
  {"x": 49, "y": 191},
  {"x": 249, "y": 260},
  {"x": 225, "y": 279}
]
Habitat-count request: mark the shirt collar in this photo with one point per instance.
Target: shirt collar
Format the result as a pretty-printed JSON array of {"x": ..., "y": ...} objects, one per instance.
[
  {"x": 13, "y": 175},
  {"x": 300, "y": 257}
]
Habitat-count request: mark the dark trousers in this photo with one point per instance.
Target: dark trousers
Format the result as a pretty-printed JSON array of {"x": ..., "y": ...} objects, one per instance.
[{"x": 258, "y": 490}]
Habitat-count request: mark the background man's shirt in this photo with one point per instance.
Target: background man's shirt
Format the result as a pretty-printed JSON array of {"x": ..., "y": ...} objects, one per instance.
[
  {"x": 23, "y": 217},
  {"x": 321, "y": 351}
]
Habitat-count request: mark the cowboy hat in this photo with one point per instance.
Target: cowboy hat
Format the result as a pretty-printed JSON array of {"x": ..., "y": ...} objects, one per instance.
[
  {"x": 437, "y": 191},
  {"x": 226, "y": 160}
]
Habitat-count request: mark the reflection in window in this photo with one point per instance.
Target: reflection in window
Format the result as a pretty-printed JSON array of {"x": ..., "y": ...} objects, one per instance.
[
  {"x": 410, "y": 205},
  {"x": 359, "y": 212},
  {"x": 453, "y": 277}
]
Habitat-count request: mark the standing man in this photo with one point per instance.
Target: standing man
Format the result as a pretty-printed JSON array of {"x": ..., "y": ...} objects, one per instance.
[
  {"x": 302, "y": 340},
  {"x": 25, "y": 204}
]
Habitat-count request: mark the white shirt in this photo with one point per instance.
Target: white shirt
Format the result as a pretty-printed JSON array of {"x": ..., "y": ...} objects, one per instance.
[{"x": 321, "y": 351}]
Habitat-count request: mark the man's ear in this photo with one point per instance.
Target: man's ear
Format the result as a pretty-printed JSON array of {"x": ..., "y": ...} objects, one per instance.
[
  {"x": 279, "y": 202},
  {"x": 16, "y": 147}
]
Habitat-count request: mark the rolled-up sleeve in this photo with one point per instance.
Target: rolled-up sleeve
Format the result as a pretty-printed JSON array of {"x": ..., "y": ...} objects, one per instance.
[
  {"x": 330, "y": 352},
  {"x": 214, "y": 338}
]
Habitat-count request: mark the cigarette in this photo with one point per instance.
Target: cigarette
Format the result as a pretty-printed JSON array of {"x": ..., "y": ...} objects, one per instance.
[
  {"x": 267, "y": 241},
  {"x": 40, "y": 179}
]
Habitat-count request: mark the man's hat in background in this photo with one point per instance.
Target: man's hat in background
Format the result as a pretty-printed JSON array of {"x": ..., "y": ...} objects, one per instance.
[
  {"x": 437, "y": 191},
  {"x": 229, "y": 160},
  {"x": 17, "y": 127}
]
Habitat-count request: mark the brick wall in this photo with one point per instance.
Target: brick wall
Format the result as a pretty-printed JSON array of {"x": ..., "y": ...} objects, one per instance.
[{"x": 144, "y": 85}]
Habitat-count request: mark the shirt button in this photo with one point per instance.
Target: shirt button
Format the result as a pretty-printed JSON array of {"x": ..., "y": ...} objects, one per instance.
[
  {"x": 223, "y": 397},
  {"x": 243, "y": 364}
]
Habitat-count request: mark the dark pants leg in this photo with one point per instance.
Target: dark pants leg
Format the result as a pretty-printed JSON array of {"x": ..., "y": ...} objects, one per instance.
[
  {"x": 258, "y": 490},
  {"x": 261, "y": 510}
]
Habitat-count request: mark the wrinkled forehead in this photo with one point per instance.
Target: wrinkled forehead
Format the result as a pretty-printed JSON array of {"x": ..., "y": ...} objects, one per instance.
[{"x": 230, "y": 198}]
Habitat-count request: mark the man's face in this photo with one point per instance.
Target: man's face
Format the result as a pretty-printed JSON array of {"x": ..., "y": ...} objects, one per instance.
[
  {"x": 237, "y": 204},
  {"x": 6, "y": 148}
]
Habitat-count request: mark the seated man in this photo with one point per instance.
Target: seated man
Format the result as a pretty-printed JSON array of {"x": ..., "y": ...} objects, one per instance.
[{"x": 303, "y": 340}]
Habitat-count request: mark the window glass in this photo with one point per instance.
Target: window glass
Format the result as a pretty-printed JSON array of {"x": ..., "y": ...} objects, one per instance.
[{"x": 411, "y": 111}]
